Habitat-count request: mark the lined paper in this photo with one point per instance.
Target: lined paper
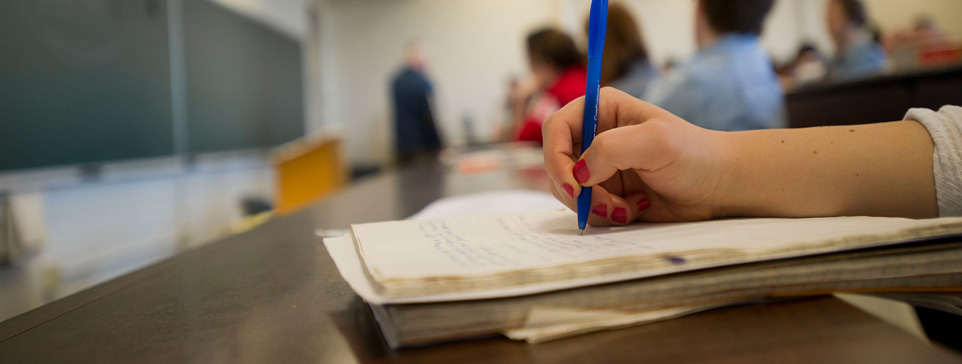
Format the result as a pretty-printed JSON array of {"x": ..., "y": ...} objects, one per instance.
[{"x": 475, "y": 246}]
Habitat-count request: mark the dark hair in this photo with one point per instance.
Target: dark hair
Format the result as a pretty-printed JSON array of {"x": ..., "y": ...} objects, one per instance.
[
  {"x": 737, "y": 16},
  {"x": 854, "y": 11},
  {"x": 623, "y": 44},
  {"x": 805, "y": 48},
  {"x": 553, "y": 46}
]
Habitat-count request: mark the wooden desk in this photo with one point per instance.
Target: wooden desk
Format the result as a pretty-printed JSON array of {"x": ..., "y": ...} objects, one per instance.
[
  {"x": 873, "y": 100},
  {"x": 273, "y": 295}
]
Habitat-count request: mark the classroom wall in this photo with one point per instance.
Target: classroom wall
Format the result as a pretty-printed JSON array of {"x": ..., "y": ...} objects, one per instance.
[{"x": 472, "y": 48}]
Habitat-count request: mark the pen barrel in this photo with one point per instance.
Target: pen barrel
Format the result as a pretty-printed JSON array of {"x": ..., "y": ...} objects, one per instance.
[
  {"x": 590, "y": 117},
  {"x": 584, "y": 207},
  {"x": 589, "y": 128}
]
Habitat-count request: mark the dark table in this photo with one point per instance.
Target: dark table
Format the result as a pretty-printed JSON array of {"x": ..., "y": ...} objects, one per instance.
[
  {"x": 273, "y": 295},
  {"x": 874, "y": 99}
]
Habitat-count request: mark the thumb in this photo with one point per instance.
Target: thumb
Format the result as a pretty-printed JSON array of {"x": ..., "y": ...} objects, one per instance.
[{"x": 644, "y": 146}]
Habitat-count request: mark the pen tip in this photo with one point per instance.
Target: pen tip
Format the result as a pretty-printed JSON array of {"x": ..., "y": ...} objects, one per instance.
[{"x": 582, "y": 232}]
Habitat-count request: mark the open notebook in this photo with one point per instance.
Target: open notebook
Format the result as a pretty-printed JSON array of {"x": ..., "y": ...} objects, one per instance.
[{"x": 489, "y": 256}]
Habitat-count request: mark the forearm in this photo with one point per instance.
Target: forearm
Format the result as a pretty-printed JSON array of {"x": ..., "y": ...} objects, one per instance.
[{"x": 876, "y": 169}]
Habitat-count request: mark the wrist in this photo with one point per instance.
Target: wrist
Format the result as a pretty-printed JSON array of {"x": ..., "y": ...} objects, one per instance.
[{"x": 729, "y": 198}]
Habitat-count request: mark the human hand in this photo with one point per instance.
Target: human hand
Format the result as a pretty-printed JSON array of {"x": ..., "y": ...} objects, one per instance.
[{"x": 644, "y": 164}]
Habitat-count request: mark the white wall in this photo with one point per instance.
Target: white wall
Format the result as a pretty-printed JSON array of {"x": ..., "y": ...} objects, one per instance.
[{"x": 472, "y": 47}]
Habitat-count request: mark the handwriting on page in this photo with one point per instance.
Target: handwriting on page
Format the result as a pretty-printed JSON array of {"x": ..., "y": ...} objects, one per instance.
[{"x": 517, "y": 242}]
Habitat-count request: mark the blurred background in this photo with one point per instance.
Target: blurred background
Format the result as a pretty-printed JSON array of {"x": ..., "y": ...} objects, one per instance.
[{"x": 131, "y": 130}]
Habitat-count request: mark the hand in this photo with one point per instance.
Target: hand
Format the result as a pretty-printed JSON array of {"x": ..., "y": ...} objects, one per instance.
[{"x": 645, "y": 163}]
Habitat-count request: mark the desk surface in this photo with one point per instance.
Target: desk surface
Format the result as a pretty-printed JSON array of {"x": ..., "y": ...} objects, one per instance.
[{"x": 273, "y": 295}]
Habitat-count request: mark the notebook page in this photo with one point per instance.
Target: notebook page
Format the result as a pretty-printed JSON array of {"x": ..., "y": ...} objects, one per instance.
[
  {"x": 497, "y": 244},
  {"x": 488, "y": 202}
]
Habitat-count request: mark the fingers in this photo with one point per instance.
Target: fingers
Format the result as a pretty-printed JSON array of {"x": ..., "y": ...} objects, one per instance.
[
  {"x": 638, "y": 206},
  {"x": 562, "y": 130},
  {"x": 558, "y": 162},
  {"x": 646, "y": 146},
  {"x": 608, "y": 209}
]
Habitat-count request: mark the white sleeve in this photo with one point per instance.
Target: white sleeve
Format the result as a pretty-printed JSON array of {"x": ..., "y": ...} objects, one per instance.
[{"x": 945, "y": 127}]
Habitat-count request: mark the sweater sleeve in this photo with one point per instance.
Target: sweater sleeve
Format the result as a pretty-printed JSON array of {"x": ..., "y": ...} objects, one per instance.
[{"x": 945, "y": 127}]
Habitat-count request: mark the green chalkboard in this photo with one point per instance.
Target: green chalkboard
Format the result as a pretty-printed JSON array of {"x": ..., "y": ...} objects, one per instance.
[
  {"x": 90, "y": 81},
  {"x": 83, "y": 81},
  {"x": 244, "y": 83}
]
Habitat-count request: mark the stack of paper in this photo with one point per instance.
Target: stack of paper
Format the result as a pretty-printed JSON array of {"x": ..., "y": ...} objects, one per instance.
[{"x": 518, "y": 273}]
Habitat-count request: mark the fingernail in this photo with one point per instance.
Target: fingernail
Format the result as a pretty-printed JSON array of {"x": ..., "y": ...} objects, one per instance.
[
  {"x": 581, "y": 171},
  {"x": 600, "y": 210},
  {"x": 569, "y": 190},
  {"x": 620, "y": 215},
  {"x": 643, "y": 204}
]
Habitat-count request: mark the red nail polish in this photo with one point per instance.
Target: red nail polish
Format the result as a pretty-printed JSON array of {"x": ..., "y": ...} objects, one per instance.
[
  {"x": 581, "y": 171},
  {"x": 643, "y": 204},
  {"x": 620, "y": 216},
  {"x": 600, "y": 210},
  {"x": 569, "y": 190}
]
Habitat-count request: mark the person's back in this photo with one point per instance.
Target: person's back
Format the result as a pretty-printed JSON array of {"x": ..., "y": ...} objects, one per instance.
[
  {"x": 641, "y": 74},
  {"x": 415, "y": 130},
  {"x": 729, "y": 84}
]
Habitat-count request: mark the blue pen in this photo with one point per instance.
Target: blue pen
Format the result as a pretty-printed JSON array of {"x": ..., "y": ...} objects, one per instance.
[{"x": 597, "y": 25}]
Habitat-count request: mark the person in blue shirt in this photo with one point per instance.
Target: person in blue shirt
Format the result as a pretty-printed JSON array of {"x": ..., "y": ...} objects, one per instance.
[
  {"x": 729, "y": 84},
  {"x": 858, "y": 55},
  {"x": 415, "y": 131}
]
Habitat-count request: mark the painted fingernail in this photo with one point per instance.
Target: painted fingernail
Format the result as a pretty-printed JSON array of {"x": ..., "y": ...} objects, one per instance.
[
  {"x": 581, "y": 171},
  {"x": 569, "y": 190},
  {"x": 600, "y": 210},
  {"x": 643, "y": 204},
  {"x": 620, "y": 215}
]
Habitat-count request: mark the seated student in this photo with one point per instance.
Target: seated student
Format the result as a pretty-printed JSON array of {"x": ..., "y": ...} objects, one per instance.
[
  {"x": 558, "y": 77},
  {"x": 729, "y": 84},
  {"x": 625, "y": 65},
  {"x": 858, "y": 54},
  {"x": 808, "y": 66},
  {"x": 654, "y": 166}
]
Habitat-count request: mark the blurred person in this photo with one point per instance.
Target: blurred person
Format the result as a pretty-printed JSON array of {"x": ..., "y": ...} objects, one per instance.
[
  {"x": 729, "y": 84},
  {"x": 858, "y": 54},
  {"x": 808, "y": 66},
  {"x": 557, "y": 77},
  {"x": 625, "y": 65},
  {"x": 414, "y": 124},
  {"x": 927, "y": 33}
]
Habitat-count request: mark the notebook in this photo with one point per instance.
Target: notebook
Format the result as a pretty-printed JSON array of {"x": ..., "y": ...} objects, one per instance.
[
  {"x": 928, "y": 267},
  {"x": 503, "y": 255},
  {"x": 529, "y": 276}
]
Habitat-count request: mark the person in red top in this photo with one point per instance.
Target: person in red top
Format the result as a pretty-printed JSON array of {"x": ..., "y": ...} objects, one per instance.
[{"x": 558, "y": 77}]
